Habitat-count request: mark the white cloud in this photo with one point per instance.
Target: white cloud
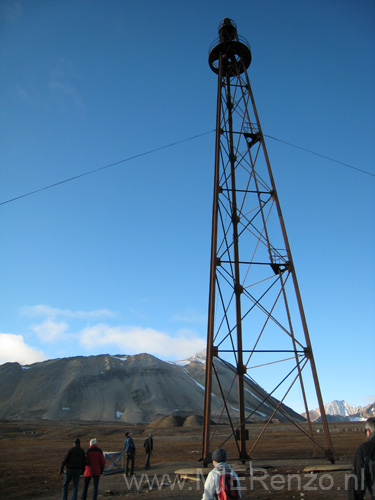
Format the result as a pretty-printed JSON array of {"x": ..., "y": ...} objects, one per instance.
[
  {"x": 135, "y": 339},
  {"x": 14, "y": 349},
  {"x": 56, "y": 327},
  {"x": 43, "y": 310},
  {"x": 50, "y": 331},
  {"x": 190, "y": 317},
  {"x": 62, "y": 86},
  {"x": 40, "y": 310}
]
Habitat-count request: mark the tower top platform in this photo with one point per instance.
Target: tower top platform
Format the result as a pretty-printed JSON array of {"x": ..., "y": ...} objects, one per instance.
[{"x": 233, "y": 51}]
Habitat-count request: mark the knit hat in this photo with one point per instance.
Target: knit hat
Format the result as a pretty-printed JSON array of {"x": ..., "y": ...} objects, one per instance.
[{"x": 219, "y": 455}]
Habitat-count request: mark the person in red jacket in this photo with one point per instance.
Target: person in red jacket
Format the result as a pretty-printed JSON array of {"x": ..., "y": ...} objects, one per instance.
[{"x": 95, "y": 463}]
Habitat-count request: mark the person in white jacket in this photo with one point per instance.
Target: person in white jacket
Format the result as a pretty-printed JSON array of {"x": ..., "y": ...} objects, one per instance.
[{"x": 212, "y": 486}]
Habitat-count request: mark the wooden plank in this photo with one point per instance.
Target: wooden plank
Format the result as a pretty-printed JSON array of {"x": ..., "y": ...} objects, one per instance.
[
  {"x": 193, "y": 471},
  {"x": 199, "y": 472},
  {"x": 327, "y": 467}
]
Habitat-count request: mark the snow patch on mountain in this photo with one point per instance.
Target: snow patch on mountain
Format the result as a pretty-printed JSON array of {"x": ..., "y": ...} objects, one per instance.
[{"x": 200, "y": 357}]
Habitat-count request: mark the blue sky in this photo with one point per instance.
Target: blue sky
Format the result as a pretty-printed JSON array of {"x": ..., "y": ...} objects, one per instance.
[{"x": 118, "y": 261}]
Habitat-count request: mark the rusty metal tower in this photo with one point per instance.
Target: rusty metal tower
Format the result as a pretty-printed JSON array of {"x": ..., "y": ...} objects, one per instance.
[{"x": 256, "y": 317}]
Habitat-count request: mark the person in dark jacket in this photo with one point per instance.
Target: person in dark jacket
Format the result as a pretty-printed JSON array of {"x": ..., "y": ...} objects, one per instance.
[
  {"x": 95, "y": 463},
  {"x": 363, "y": 470},
  {"x": 74, "y": 462},
  {"x": 129, "y": 449},
  {"x": 148, "y": 446}
]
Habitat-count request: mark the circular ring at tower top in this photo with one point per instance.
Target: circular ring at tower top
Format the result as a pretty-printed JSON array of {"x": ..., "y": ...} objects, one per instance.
[{"x": 236, "y": 57}]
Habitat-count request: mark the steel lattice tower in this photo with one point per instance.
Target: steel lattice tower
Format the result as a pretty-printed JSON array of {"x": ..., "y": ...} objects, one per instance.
[{"x": 255, "y": 316}]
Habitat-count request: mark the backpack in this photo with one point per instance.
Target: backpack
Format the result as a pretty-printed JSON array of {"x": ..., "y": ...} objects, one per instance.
[{"x": 229, "y": 488}]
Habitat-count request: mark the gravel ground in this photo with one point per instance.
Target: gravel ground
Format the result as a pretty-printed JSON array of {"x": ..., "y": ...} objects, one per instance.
[{"x": 31, "y": 454}]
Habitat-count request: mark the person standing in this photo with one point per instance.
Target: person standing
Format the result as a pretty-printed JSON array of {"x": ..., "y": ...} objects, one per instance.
[
  {"x": 129, "y": 449},
  {"x": 95, "y": 463},
  {"x": 74, "y": 462},
  {"x": 363, "y": 470},
  {"x": 148, "y": 446}
]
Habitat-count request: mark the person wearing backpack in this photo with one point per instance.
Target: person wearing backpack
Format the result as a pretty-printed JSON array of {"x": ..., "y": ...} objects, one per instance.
[{"x": 222, "y": 482}]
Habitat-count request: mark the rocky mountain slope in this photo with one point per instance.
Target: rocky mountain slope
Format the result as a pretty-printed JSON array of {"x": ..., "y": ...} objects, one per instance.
[
  {"x": 139, "y": 388},
  {"x": 341, "y": 411}
]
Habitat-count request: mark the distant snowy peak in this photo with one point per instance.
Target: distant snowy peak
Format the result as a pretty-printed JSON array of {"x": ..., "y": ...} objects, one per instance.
[
  {"x": 200, "y": 357},
  {"x": 342, "y": 411},
  {"x": 341, "y": 408}
]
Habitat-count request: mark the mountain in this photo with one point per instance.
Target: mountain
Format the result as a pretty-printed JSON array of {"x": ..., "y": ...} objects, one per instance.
[
  {"x": 341, "y": 408},
  {"x": 341, "y": 411},
  {"x": 132, "y": 389}
]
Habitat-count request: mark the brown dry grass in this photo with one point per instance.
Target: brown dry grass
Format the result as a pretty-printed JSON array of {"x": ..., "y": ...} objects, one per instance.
[{"x": 31, "y": 453}]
